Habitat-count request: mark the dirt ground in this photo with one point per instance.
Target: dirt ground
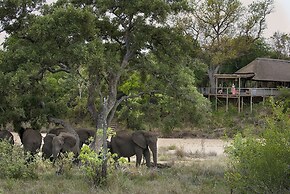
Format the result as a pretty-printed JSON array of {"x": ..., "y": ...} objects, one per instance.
[{"x": 194, "y": 145}]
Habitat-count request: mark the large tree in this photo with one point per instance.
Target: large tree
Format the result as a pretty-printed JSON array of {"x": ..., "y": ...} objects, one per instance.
[
  {"x": 280, "y": 43},
  {"x": 223, "y": 26},
  {"x": 32, "y": 55}
]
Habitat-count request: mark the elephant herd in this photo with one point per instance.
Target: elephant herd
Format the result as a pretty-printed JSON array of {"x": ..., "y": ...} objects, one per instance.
[{"x": 61, "y": 140}]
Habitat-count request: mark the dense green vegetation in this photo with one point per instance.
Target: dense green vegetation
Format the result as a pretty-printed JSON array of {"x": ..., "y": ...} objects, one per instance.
[{"x": 260, "y": 163}]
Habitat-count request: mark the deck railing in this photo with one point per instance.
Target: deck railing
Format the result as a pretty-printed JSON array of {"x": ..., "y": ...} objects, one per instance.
[{"x": 263, "y": 92}]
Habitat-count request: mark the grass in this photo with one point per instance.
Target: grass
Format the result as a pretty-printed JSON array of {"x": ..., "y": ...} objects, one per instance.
[
  {"x": 174, "y": 154},
  {"x": 194, "y": 177},
  {"x": 172, "y": 147}
]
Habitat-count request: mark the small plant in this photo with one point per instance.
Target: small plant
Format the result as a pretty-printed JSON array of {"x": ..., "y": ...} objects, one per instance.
[
  {"x": 13, "y": 163},
  {"x": 92, "y": 164},
  {"x": 172, "y": 147},
  {"x": 64, "y": 163},
  {"x": 180, "y": 153}
]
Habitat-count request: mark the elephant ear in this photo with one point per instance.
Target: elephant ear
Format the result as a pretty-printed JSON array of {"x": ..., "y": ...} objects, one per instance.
[
  {"x": 69, "y": 139},
  {"x": 139, "y": 139},
  {"x": 48, "y": 138}
]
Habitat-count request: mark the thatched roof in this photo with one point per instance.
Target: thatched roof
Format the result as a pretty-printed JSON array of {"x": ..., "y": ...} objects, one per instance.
[{"x": 263, "y": 69}]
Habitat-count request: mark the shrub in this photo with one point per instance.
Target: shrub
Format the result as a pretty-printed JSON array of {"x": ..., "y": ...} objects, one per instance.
[
  {"x": 64, "y": 163},
  {"x": 261, "y": 164},
  {"x": 13, "y": 163},
  {"x": 92, "y": 164}
]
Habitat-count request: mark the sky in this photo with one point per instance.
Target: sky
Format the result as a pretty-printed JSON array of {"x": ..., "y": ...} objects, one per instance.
[{"x": 278, "y": 20}]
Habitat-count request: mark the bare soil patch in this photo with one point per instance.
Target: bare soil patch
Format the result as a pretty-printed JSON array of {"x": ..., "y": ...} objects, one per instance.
[{"x": 194, "y": 145}]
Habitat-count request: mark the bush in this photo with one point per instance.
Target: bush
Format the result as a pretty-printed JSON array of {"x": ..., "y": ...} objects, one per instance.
[
  {"x": 64, "y": 163},
  {"x": 13, "y": 163},
  {"x": 92, "y": 165},
  {"x": 262, "y": 164}
]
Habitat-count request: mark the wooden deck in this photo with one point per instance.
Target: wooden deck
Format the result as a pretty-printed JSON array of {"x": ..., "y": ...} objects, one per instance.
[
  {"x": 226, "y": 92},
  {"x": 241, "y": 93}
]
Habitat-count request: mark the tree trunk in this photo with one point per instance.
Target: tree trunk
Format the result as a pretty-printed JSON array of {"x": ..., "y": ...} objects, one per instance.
[
  {"x": 102, "y": 139},
  {"x": 105, "y": 146}
]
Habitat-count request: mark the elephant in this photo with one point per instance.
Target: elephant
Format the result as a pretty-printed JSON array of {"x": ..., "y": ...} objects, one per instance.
[
  {"x": 109, "y": 145},
  {"x": 127, "y": 144},
  {"x": 31, "y": 140},
  {"x": 57, "y": 131},
  {"x": 85, "y": 135},
  {"x": 47, "y": 141},
  {"x": 6, "y": 135},
  {"x": 64, "y": 142},
  {"x": 47, "y": 148}
]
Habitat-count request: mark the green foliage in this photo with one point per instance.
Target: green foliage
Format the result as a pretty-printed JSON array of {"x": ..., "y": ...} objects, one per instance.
[
  {"x": 110, "y": 132},
  {"x": 170, "y": 99},
  {"x": 13, "y": 163},
  {"x": 92, "y": 165},
  {"x": 35, "y": 68},
  {"x": 284, "y": 98},
  {"x": 261, "y": 165},
  {"x": 14, "y": 14},
  {"x": 251, "y": 50}
]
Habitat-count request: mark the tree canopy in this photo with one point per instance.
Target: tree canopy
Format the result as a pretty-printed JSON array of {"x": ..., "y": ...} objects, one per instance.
[{"x": 226, "y": 29}]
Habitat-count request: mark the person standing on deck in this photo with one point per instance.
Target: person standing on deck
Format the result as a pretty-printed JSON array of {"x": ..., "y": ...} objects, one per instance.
[{"x": 233, "y": 90}]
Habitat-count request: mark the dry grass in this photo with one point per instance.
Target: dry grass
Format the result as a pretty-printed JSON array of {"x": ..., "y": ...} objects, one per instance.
[
  {"x": 173, "y": 154},
  {"x": 195, "y": 177}
]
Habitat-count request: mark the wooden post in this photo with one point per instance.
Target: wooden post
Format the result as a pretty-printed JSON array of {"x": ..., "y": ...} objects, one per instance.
[
  {"x": 242, "y": 104},
  {"x": 251, "y": 102},
  {"x": 227, "y": 100},
  {"x": 216, "y": 84},
  {"x": 263, "y": 100},
  {"x": 239, "y": 95}
]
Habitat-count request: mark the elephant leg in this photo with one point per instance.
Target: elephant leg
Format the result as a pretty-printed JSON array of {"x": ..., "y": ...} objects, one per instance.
[
  {"x": 146, "y": 154},
  {"x": 139, "y": 152}
]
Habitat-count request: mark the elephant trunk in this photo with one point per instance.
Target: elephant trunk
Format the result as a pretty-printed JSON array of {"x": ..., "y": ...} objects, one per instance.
[
  {"x": 153, "y": 148},
  {"x": 56, "y": 147}
]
